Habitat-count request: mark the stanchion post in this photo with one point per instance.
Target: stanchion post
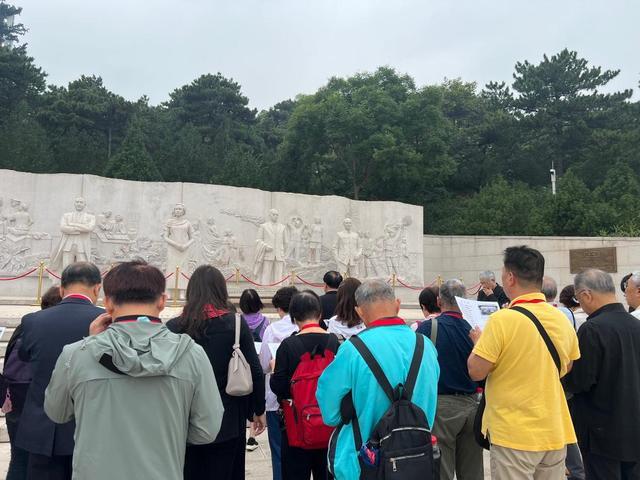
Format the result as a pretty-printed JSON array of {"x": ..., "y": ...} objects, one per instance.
[
  {"x": 394, "y": 278},
  {"x": 439, "y": 281},
  {"x": 176, "y": 290},
  {"x": 293, "y": 277},
  {"x": 237, "y": 276},
  {"x": 40, "y": 279}
]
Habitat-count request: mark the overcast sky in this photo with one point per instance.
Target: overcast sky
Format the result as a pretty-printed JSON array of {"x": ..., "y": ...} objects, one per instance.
[{"x": 277, "y": 49}]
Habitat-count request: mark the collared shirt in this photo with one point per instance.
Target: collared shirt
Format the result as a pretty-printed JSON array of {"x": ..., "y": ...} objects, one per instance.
[
  {"x": 526, "y": 406},
  {"x": 392, "y": 344},
  {"x": 606, "y": 384},
  {"x": 454, "y": 347}
]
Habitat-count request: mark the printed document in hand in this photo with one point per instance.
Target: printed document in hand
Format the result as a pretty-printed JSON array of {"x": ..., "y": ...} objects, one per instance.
[
  {"x": 476, "y": 313},
  {"x": 273, "y": 348}
]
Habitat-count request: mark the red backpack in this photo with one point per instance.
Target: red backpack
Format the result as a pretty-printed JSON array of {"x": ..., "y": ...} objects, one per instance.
[{"x": 302, "y": 417}]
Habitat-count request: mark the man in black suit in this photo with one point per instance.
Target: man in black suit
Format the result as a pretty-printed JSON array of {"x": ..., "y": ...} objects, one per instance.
[
  {"x": 605, "y": 382},
  {"x": 45, "y": 333},
  {"x": 329, "y": 300}
]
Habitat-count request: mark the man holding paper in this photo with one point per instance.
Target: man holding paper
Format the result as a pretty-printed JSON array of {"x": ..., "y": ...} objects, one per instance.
[
  {"x": 457, "y": 400},
  {"x": 525, "y": 350}
]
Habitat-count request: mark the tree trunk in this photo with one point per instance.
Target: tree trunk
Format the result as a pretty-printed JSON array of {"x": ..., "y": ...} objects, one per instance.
[{"x": 109, "y": 144}]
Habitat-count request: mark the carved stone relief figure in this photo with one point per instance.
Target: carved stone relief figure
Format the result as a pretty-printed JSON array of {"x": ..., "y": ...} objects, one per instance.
[
  {"x": 315, "y": 241},
  {"x": 296, "y": 229},
  {"x": 271, "y": 247},
  {"x": 179, "y": 236},
  {"x": 75, "y": 244},
  {"x": 369, "y": 256},
  {"x": 105, "y": 222},
  {"x": 347, "y": 249},
  {"x": 19, "y": 222},
  {"x": 391, "y": 247},
  {"x": 2, "y": 222},
  {"x": 211, "y": 242},
  {"x": 229, "y": 252}
]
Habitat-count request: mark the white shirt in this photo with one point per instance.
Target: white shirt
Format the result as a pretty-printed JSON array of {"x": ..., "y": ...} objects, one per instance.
[
  {"x": 336, "y": 326},
  {"x": 636, "y": 313},
  {"x": 274, "y": 333}
]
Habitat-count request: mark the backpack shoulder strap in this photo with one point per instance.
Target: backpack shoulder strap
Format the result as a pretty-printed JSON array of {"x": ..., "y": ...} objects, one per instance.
[
  {"x": 414, "y": 369},
  {"x": 333, "y": 342},
  {"x": 543, "y": 333},
  {"x": 373, "y": 365},
  {"x": 434, "y": 330}
]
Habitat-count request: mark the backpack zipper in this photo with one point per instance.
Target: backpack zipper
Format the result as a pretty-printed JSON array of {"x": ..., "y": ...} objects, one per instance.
[
  {"x": 402, "y": 429},
  {"x": 405, "y": 457}
]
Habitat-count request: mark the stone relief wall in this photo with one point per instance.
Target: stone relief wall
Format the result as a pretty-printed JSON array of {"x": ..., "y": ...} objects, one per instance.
[{"x": 266, "y": 235}]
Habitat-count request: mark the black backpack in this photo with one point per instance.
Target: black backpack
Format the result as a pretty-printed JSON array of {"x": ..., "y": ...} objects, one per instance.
[{"x": 400, "y": 446}]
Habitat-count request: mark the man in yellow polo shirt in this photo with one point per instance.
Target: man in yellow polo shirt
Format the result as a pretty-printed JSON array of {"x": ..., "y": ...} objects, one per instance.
[{"x": 526, "y": 419}]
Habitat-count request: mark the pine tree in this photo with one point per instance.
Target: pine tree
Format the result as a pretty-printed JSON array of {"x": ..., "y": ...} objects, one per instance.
[{"x": 133, "y": 162}]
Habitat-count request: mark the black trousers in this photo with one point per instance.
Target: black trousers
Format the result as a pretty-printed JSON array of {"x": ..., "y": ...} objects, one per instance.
[
  {"x": 300, "y": 464},
  {"x": 603, "y": 468},
  {"x": 18, "y": 465},
  {"x": 216, "y": 461},
  {"x": 41, "y": 467}
]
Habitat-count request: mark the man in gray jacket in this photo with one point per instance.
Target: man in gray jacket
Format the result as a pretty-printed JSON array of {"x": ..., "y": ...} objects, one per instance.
[{"x": 138, "y": 392}]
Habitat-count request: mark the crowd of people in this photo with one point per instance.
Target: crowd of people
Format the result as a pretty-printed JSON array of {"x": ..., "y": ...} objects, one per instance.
[{"x": 342, "y": 385}]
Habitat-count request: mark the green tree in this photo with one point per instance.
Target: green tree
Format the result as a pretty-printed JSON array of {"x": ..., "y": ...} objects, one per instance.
[
  {"x": 133, "y": 162},
  {"x": 10, "y": 31}
]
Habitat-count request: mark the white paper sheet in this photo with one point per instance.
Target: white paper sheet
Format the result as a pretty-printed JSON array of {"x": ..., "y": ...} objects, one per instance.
[
  {"x": 258, "y": 346},
  {"x": 2, "y": 330},
  {"x": 476, "y": 313}
]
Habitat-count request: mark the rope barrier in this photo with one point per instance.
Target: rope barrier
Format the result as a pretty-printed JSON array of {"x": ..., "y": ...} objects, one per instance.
[
  {"x": 267, "y": 285},
  {"x": 53, "y": 274},
  {"x": 167, "y": 277},
  {"x": 6, "y": 279},
  {"x": 311, "y": 284},
  {"x": 229, "y": 277},
  {"x": 185, "y": 276}
]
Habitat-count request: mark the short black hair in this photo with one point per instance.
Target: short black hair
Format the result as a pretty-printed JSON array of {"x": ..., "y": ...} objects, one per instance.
[
  {"x": 282, "y": 298},
  {"x": 134, "y": 282},
  {"x": 250, "y": 301},
  {"x": 81, "y": 272},
  {"x": 624, "y": 281},
  {"x": 429, "y": 299},
  {"x": 51, "y": 298},
  {"x": 332, "y": 279},
  {"x": 305, "y": 306},
  {"x": 526, "y": 263}
]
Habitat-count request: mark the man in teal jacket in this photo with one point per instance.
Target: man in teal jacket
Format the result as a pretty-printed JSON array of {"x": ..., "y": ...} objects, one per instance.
[
  {"x": 138, "y": 392},
  {"x": 392, "y": 343}
]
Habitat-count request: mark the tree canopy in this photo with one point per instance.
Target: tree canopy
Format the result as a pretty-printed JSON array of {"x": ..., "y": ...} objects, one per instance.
[{"x": 478, "y": 158}]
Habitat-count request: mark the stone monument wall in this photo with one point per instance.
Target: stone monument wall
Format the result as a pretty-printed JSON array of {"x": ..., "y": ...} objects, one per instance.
[{"x": 59, "y": 218}]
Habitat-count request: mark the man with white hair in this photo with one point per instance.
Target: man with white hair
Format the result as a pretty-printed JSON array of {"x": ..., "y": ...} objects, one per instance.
[
  {"x": 605, "y": 382},
  {"x": 632, "y": 293},
  {"x": 490, "y": 291},
  {"x": 348, "y": 380},
  {"x": 457, "y": 401}
]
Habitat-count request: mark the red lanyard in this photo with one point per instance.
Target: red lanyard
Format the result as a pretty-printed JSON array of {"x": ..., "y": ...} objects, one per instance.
[
  {"x": 309, "y": 325},
  {"x": 78, "y": 296},
  {"x": 535, "y": 300},
  {"x": 387, "y": 322},
  {"x": 453, "y": 314}
]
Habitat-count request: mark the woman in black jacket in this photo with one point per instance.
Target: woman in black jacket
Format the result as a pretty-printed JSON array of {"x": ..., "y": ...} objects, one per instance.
[
  {"x": 305, "y": 311},
  {"x": 209, "y": 318}
]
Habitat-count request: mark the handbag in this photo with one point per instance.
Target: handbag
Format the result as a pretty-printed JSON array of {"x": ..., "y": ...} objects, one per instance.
[
  {"x": 481, "y": 440},
  {"x": 239, "y": 379}
]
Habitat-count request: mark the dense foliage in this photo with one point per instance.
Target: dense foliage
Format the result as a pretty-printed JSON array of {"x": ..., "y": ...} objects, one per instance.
[{"x": 477, "y": 159}]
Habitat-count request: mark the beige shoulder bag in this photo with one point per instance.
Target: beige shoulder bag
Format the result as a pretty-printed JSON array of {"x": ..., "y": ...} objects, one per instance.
[{"x": 239, "y": 380}]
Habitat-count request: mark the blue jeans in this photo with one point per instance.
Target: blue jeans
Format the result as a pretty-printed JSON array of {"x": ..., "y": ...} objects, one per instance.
[{"x": 275, "y": 440}]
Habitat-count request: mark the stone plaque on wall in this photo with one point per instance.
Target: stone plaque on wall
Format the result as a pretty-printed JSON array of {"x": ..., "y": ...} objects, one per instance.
[{"x": 602, "y": 258}]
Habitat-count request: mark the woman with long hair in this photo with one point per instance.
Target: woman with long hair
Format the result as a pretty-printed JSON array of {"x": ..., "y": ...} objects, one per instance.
[
  {"x": 209, "y": 318},
  {"x": 346, "y": 321}
]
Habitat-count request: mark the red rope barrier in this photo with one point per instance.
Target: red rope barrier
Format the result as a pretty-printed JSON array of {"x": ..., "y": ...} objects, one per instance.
[
  {"x": 53, "y": 274},
  {"x": 317, "y": 285},
  {"x": 268, "y": 285},
  {"x": 407, "y": 286},
  {"x": 169, "y": 276},
  {"x": 185, "y": 276},
  {"x": 19, "y": 276},
  {"x": 229, "y": 277}
]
